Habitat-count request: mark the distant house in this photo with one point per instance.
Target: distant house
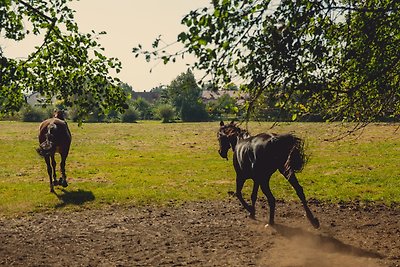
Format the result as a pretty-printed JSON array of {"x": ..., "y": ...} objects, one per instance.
[
  {"x": 211, "y": 96},
  {"x": 36, "y": 99},
  {"x": 150, "y": 97}
]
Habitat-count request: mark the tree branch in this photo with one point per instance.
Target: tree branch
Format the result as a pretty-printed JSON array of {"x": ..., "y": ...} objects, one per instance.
[
  {"x": 53, "y": 24},
  {"x": 364, "y": 9},
  {"x": 37, "y": 11}
]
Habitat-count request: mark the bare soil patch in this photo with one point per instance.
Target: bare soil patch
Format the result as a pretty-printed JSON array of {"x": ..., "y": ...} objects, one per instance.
[{"x": 205, "y": 234}]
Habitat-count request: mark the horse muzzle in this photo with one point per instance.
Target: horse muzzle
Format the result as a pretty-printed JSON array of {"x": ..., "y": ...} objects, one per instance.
[{"x": 223, "y": 155}]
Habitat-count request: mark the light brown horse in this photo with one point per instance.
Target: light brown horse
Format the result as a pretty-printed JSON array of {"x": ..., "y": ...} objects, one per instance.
[
  {"x": 54, "y": 136},
  {"x": 257, "y": 158}
]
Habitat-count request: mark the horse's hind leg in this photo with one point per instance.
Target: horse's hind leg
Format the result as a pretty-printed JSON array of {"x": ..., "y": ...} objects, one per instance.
[
  {"x": 300, "y": 193},
  {"x": 54, "y": 172},
  {"x": 63, "y": 180},
  {"x": 271, "y": 200},
  {"x": 50, "y": 173}
]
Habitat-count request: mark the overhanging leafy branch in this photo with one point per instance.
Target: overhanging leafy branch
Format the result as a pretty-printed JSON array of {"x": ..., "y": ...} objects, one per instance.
[
  {"x": 335, "y": 58},
  {"x": 69, "y": 64}
]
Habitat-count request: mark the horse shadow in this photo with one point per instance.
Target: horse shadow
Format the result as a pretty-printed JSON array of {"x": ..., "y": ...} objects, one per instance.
[
  {"x": 75, "y": 197},
  {"x": 325, "y": 243}
]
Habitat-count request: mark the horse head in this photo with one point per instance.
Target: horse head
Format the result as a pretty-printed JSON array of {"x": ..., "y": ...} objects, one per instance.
[
  {"x": 59, "y": 114},
  {"x": 228, "y": 136}
]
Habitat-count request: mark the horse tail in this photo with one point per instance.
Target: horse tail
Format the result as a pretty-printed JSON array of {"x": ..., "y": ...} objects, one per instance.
[
  {"x": 47, "y": 148},
  {"x": 296, "y": 158}
]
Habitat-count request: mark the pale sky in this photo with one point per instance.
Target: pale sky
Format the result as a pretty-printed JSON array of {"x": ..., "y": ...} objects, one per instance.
[{"x": 128, "y": 23}]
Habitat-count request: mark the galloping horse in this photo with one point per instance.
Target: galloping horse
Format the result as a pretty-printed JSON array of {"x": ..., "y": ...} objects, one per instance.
[
  {"x": 54, "y": 136},
  {"x": 257, "y": 158}
]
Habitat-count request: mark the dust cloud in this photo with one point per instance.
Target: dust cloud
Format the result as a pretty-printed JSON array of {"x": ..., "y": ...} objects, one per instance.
[{"x": 296, "y": 247}]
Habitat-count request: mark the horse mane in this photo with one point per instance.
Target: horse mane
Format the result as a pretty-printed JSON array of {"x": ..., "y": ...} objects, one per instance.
[{"x": 232, "y": 130}]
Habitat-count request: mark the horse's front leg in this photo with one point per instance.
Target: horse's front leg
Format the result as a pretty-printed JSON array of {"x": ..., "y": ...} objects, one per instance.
[
  {"x": 271, "y": 199},
  {"x": 239, "y": 186},
  {"x": 49, "y": 172},
  {"x": 300, "y": 193},
  {"x": 63, "y": 180},
  {"x": 254, "y": 193}
]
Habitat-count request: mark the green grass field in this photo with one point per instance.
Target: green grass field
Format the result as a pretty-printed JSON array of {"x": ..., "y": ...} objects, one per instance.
[{"x": 150, "y": 162}]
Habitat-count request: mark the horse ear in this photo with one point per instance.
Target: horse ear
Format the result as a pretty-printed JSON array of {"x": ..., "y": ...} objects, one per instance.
[
  {"x": 233, "y": 122},
  {"x": 221, "y": 123}
]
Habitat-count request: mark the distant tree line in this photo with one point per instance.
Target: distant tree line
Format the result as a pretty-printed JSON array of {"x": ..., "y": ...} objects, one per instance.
[{"x": 179, "y": 101}]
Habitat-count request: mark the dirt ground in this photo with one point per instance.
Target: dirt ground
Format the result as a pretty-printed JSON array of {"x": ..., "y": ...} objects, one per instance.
[{"x": 205, "y": 234}]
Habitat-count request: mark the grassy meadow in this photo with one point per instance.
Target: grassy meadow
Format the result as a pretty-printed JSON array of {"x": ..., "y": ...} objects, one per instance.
[{"x": 151, "y": 162}]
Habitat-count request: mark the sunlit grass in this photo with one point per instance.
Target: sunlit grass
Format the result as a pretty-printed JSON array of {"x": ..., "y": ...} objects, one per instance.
[{"x": 150, "y": 162}]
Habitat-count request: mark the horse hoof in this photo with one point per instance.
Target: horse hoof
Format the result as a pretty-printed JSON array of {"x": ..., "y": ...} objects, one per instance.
[
  {"x": 269, "y": 224},
  {"x": 315, "y": 223},
  {"x": 63, "y": 183}
]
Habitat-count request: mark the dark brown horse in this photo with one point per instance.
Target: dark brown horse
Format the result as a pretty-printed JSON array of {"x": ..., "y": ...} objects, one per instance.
[
  {"x": 54, "y": 136},
  {"x": 258, "y": 157}
]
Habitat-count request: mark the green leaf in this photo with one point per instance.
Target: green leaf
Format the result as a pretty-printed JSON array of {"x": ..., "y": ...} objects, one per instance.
[
  {"x": 182, "y": 37},
  {"x": 202, "y": 42}
]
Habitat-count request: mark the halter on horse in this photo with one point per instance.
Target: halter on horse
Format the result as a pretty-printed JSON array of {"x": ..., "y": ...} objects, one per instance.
[
  {"x": 54, "y": 136},
  {"x": 257, "y": 158}
]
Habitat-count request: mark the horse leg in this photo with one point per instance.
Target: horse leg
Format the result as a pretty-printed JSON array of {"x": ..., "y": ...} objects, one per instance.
[
  {"x": 271, "y": 200},
  {"x": 50, "y": 173},
  {"x": 63, "y": 180},
  {"x": 54, "y": 166},
  {"x": 239, "y": 186},
  {"x": 300, "y": 193},
  {"x": 254, "y": 193}
]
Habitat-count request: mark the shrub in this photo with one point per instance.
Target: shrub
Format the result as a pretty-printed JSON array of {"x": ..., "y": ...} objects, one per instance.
[
  {"x": 78, "y": 115},
  {"x": 11, "y": 117},
  {"x": 33, "y": 114},
  {"x": 95, "y": 116},
  {"x": 113, "y": 116},
  {"x": 166, "y": 112},
  {"x": 130, "y": 115},
  {"x": 193, "y": 113}
]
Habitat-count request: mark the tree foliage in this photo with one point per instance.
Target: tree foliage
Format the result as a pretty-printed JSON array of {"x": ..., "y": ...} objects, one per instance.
[
  {"x": 225, "y": 105},
  {"x": 68, "y": 64},
  {"x": 184, "y": 94},
  {"x": 143, "y": 107},
  {"x": 339, "y": 58}
]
